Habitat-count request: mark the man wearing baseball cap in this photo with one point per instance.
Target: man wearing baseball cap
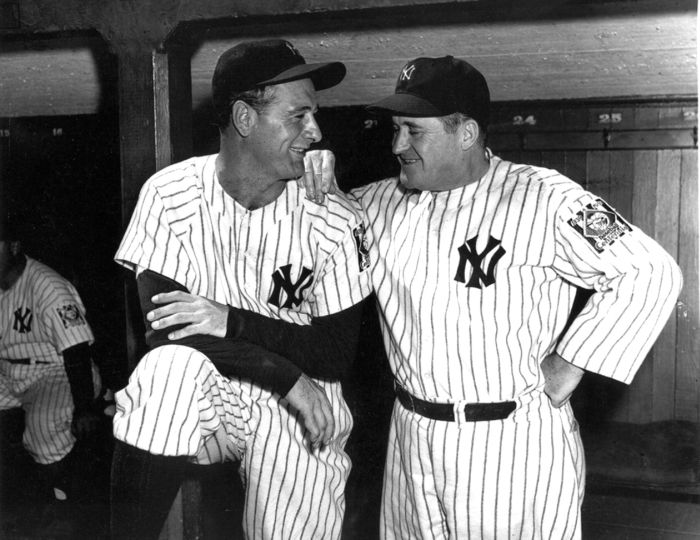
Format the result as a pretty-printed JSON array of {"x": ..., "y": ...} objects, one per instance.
[
  {"x": 251, "y": 295},
  {"x": 475, "y": 264}
]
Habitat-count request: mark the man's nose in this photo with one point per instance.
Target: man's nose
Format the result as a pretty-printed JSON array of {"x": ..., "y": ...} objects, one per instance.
[
  {"x": 312, "y": 131},
  {"x": 400, "y": 142}
]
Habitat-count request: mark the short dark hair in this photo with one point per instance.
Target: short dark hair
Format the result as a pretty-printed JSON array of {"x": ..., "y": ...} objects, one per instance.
[
  {"x": 451, "y": 122},
  {"x": 258, "y": 98}
]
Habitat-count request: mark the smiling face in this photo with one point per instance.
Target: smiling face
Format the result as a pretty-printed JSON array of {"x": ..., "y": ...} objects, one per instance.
[
  {"x": 285, "y": 130},
  {"x": 431, "y": 158}
]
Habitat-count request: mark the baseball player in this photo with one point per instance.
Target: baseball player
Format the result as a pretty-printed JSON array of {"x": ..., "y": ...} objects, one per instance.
[
  {"x": 45, "y": 362},
  {"x": 474, "y": 266},
  {"x": 283, "y": 278}
]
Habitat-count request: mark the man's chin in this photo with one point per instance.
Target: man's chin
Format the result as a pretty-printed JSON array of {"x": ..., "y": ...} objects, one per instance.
[{"x": 406, "y": 181}]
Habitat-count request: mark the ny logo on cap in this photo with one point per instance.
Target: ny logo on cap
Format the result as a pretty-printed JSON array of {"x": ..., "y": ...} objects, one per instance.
[
  {"x": 291, "y": 48},
  {"x": 407, "y": 72}
]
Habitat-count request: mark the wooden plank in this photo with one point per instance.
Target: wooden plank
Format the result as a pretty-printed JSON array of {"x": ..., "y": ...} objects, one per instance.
[
  {"x": 533, "y": 60},
  {"x": 173, "y": 105},
  {"x": 531, "y": 157},
  {"x": 641, "y": 391},
  {"x": 620, "y": 197},
  {"x": 688, "y": 323},
  {"x": 554, "y": 160},
  {"x": 4, "y": 156},
  {"x": 563, "y": 140},
  {"x": 503, "y": 117},
  {"x": 666, "y": 217},
  {"x": 575, "y": 166},
  {"x": 598, "y": 173},
  {"x": 500, "y": 142},
  {"x": 672, "y": 117},
  {"x": 646, "y": 117},
  {"x": 575, "y": 118},
  {"x": 621, "y": 182},
  {"x": 622, "y": 117},
  {"x": 660, "y": 138},
  {"x": 599, "y": 118}
]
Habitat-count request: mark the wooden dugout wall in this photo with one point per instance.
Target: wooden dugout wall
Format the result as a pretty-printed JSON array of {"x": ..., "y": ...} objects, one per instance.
[{"x": 641, "y": 157}]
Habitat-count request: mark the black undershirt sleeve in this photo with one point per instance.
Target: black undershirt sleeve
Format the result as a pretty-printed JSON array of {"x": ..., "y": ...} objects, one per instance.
[
  {"x": 325, "y": 349},
  {"x": 232, "y": 357},
  {"x": 78, "y": 365}
]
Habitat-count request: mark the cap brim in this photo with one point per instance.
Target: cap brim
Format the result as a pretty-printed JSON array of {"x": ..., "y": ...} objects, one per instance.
[
  {"x": 405, "y": 105},
  {"x": 322, "y": 75}
]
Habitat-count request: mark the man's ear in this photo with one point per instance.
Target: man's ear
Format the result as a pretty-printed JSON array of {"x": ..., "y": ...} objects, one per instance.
[
  {"x": 243, "y": 117},
  {"x": 469, "y": 131}
]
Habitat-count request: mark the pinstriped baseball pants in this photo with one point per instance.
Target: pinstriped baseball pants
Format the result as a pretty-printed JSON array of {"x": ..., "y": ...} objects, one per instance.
[
  {"x": 518, "y": 478},
  {"x": 177, "y": 403},
  {"x": 44, "y": 393}
]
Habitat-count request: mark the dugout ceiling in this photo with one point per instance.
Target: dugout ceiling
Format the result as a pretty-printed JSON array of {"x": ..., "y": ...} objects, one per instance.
[{"x": 52, "y": 53}]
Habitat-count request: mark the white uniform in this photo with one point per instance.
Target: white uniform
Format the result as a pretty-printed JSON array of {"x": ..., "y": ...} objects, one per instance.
[
  {"x": 291, "y": 260},
  {"x": 474, "y": 286},
  {"x": 41, "y": 315}
]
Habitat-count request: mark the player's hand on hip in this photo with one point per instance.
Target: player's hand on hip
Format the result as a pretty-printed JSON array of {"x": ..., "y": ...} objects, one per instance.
[
  {"x": 319, "y": 174},
  {"x": 560, "y": 379},
  {"x": 201, "y": 315},
  {"x": 312, "y": 403}
]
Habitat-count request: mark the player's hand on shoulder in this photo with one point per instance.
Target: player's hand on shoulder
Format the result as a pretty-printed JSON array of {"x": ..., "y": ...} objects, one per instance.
[
  {"x": 201, "y": 315},
  {"x": 560, "y": 379},
  {"x": 312, "y": 403},
  {"x": 319, "y": 175}
]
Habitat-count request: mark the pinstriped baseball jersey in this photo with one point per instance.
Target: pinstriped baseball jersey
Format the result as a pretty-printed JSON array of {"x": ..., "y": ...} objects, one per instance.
[
  {"x": 474, "y": 287},
  {"x": 466, "y": 276},
  {"x": 41, "y": 315},
  {"x": 291, "y": 260}
]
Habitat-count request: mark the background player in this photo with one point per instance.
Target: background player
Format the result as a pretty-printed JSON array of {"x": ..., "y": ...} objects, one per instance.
[
  {"x": 474, "y": 265},
  {"x": 284, "y": 277},
  {"x": 45, "y": 363}
]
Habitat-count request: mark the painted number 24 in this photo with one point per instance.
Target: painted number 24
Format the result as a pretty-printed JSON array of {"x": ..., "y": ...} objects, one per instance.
[{"x": 529, "y": 120}]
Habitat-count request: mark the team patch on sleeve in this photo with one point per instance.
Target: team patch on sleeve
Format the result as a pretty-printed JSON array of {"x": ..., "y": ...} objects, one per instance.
[
  {"x": 362, "y": 247},
  {"x": 70, "y": 316},
  {"x": 599, "y": 224}
]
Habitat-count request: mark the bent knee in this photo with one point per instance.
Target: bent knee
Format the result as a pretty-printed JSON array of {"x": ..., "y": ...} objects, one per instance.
[{"x": 172, "y": 361}]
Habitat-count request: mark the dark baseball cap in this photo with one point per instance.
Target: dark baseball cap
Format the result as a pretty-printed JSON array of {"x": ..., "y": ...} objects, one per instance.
[
  {"x": 431, "y": 87},
  {"x": 255, "y": 64}
]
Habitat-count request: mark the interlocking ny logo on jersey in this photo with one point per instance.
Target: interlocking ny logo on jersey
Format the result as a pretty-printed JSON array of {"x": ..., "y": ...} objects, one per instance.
[
  {"x": 283, "y": 286},
  {"x": 23, "y": 320},
  {"x": 468, "y": 253}
]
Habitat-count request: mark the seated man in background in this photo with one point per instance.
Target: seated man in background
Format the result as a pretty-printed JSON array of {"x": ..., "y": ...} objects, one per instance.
[
  {"x": 45, "y": 362},
  {"x": 285, "y": 277}
]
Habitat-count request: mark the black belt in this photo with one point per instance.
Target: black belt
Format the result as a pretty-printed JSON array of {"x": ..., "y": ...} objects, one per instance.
[
  {"x": 23, "y": 361},
  {"x": 445, "y": 412}
]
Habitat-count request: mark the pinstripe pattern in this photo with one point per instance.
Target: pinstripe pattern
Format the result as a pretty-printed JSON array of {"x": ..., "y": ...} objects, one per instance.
[
  {"x": 449, "y": 342},
  {"x": 187, "y": 228},
  {"x": 37, "y": 322}
]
